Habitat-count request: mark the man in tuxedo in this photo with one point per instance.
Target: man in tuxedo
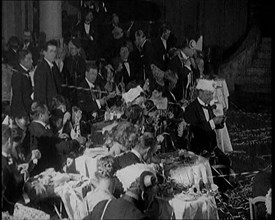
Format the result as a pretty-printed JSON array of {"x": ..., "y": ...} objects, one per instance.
[
  {"x": 147, "y": 55},
  {"x": 21, "y": 86},
  {"x": 12, "y": 53},
  {"x": 47, "y": 78},
  {"x": 126, "y": 70},
  {"x": 161, "y": 47},
  {"x": 87, "y": 99},
  {"x": 202, "y": 120},
  {"x": 12, "y": 179},
  {"x": 88, "y": 33}
]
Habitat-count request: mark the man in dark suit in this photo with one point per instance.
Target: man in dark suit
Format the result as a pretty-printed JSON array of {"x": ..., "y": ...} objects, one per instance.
[
  {"x": 12, "y": 179},
  {"x": 42, "y": 139},
  {"x": 12, "y": 53},
  {"x": 88, "y": 33},
  {"x": 147, "y": 54},
  {"x": 87, "y": 100},
  {"x": 21, "y": 86},
  {"x": 47, "y": 79},
  {"x": 202, "y": 120},
  {"x": 161, "y": 47},
  {"x": 140, "y": 153},
  {"x": 126, "y": 70},
  {"x": 177, "y": 66}
]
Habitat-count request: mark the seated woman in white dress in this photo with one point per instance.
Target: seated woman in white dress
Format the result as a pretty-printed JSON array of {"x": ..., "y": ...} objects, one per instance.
[{"x": 103, "y": 183}]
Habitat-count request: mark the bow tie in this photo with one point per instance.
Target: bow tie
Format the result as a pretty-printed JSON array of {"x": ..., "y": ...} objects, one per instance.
[
  {"x": 125, "y": 61},
  {"x": 209, "y": 107}
]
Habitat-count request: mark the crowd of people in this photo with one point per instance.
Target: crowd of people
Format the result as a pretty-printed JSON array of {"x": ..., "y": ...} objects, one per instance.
[{"x": 60, "y": 90}]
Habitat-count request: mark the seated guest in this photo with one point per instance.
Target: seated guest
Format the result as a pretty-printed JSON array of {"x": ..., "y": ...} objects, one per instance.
[
  {"x": 74, "y": 64},
  {"x": 63, "y": 143},
  {"x": 12, "y": 53},
  {"x": 131, "y": 204},
  {"x": 59, "y": 102},
  {"x": 126, "y": 70},
  {"x": 103, "y": 184},
  {"x": 20, "y": 126},
  {"x": 87, "y": 100},
  {"x": 22, "y": 90},
  {"x": 76, "y": 127},
  {"x": 121, "y": 138},
  {"x": 139, "y": 153},
  {"x": 12, "y": 178},
  {"x": 41, "y": 138},
  {"x": 157, "y": 97}
]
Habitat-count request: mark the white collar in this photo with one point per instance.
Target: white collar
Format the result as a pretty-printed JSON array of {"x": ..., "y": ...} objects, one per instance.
[
  {"x": 137, "y": 154},
  {"x": 143, "y": 43},
  {"x": 49, "y": 62},
  {"x": 188, "y": 67},
  {"x": 24, "y": 68},
  {"x": 4, "y": 154},
  {"x": 91, "y": 85},
  {"x": 40, "y": 122},
  {"x": 201, "y": 102},
  {"x": 162, "y": 39},
  {"x": 183, "y": 55}
]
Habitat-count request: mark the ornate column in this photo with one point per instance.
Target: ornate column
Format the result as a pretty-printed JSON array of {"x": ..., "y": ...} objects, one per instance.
[{"x": 51, "y": 19}]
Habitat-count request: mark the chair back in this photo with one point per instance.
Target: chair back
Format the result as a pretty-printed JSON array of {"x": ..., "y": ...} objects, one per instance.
[{"x": 253, "y": 206}]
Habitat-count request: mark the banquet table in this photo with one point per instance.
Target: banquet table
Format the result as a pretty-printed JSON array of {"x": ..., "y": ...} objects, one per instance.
[
  {"x": 190, "y": 174},
  {"x": 203, "y": 207},
  {"x": 188, "y": 203}
]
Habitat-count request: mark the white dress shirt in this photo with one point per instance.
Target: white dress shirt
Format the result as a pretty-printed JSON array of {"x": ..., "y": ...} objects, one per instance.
[
  {"x": 206, "y": 113},
  {"x": 92, "y": 86},
  {"x": 87, "y": 28},
  {"x": 127, "y": 66}
]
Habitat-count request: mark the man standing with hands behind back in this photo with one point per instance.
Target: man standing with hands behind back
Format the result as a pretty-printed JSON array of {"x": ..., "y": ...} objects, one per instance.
[{"x": 47, "y": 79}]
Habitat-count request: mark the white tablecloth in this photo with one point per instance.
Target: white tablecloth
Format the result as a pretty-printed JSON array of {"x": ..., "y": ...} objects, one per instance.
[
  {"x": 203, "y": 207},
  {"x": 193, "y": 173}
]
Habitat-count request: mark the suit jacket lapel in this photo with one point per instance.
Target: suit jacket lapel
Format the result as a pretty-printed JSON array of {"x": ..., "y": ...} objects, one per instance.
[{"x": 200, "y": 110}]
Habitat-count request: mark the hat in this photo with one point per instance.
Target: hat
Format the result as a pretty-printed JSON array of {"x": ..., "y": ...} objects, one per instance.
[
  {"x": 147, "y": 179},
  {"x": 196, "y": 45},
  {"x": 206, "y": 85}
]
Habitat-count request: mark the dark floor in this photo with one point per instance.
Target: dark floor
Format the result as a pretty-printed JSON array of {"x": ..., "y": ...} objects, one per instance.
[{"x": 249, "y": 127}]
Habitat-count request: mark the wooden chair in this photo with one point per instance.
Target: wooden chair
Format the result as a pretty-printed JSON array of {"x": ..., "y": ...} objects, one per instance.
[{"x": 253, "y": 206}]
